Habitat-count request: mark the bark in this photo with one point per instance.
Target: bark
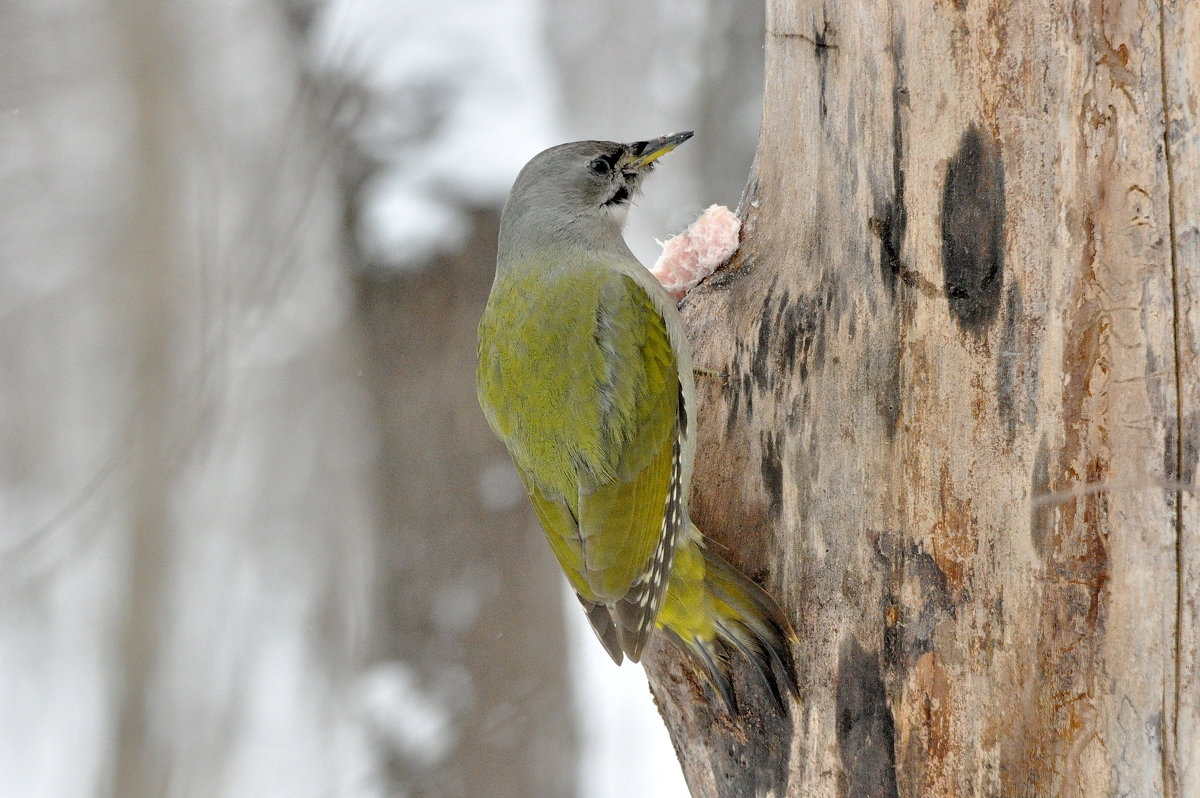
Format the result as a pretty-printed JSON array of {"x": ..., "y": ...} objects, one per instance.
[{"x": 958, "y": 433}]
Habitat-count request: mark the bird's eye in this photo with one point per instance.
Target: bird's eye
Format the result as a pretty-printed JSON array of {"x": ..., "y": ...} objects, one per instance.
[{"x": 600, "y": 166}]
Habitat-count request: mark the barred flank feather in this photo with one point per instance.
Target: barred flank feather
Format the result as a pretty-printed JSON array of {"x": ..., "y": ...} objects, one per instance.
[{"x": 711, "y": 615}]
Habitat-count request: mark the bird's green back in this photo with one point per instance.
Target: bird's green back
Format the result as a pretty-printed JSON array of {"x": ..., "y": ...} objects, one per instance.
[{"x": 577, "y": 376}]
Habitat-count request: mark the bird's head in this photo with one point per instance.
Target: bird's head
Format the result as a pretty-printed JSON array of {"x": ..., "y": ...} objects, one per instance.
[{"x": 580, "y": 192}]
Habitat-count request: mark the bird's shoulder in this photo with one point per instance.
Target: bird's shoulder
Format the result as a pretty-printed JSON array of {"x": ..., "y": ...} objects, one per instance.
[
  {"x": 581, "y": 344},
  {"x": 559, "y": 293}
]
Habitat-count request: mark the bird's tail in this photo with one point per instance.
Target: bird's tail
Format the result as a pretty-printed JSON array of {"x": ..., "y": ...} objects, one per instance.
[{"x": 711, "y": 610}]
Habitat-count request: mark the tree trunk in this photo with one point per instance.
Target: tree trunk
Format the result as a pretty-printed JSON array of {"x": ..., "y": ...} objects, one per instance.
[{"x": 958, "y": 432}]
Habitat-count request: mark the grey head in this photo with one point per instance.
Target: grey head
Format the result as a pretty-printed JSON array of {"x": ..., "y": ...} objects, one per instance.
[{"x": 578, "y": 195}]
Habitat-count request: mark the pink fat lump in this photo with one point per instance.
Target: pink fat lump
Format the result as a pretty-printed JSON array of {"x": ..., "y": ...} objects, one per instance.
[{"x": 695, "y": 253}]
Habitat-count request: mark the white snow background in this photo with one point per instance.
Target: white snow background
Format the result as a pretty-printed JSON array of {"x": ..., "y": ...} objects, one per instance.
[{"x": 457, "y": 98}]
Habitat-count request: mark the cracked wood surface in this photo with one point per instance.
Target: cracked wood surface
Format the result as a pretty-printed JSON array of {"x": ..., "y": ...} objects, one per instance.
[{"x": 958, "y": 432}]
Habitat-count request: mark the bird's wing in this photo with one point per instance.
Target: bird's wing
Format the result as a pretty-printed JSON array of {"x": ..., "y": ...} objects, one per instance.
[
  {"x": 602, "y": 624},
  {"x": 628, "y": 520},
  {"x": 591, "y": 418}
]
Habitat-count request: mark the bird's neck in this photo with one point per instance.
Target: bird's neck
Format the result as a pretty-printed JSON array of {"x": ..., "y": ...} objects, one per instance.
[{"x": 561, "y": 232}]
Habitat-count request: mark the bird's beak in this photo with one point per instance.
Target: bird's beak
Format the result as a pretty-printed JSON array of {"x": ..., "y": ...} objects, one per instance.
[{"x": 643, "y": 153}]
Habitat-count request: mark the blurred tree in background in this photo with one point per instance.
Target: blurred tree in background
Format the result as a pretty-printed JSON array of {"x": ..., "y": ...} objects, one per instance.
[{"x": 187, "y": 487}]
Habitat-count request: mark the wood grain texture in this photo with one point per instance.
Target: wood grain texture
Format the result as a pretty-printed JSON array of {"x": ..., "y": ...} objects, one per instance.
[
  {"x": 961, "y": 341},
  {"x": 1181, "y": 143}
]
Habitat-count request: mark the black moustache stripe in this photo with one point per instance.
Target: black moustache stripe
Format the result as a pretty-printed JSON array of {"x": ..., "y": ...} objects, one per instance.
[{"x": 620, "y": 197}]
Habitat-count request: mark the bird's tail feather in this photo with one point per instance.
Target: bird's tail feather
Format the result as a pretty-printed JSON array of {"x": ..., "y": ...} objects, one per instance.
[{"x": 732, "y": 613}]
